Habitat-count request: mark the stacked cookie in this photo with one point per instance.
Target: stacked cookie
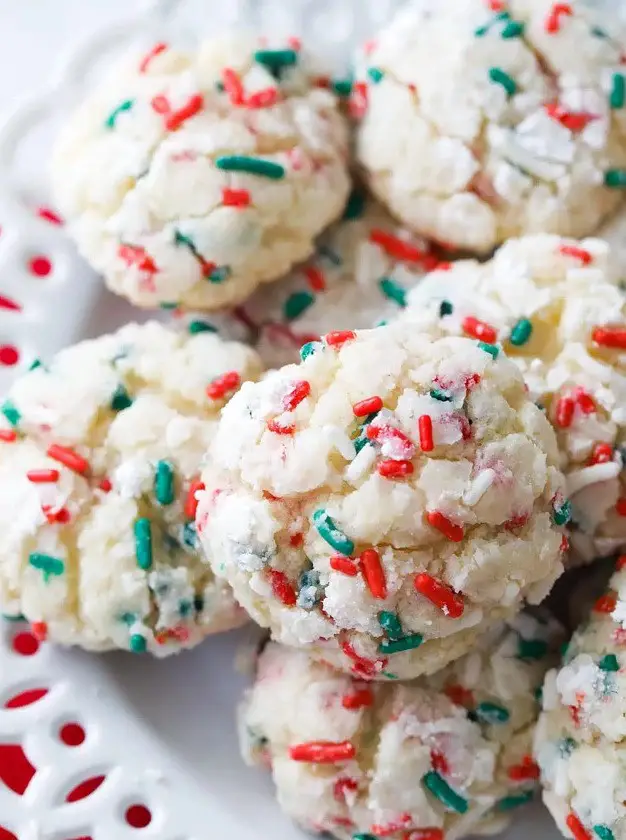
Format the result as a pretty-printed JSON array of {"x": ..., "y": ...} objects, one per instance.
[{"x": 389, "y": 440}]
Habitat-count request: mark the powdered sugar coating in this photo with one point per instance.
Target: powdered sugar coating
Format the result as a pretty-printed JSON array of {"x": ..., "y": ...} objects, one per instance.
[
  {"x": 321, "y": 519},
  {"x": 562, "y": 291},
  {"x": 505, "y": 122},
  {"x": 580, "y": 740},
  {"x": 148, "y": 171},
  {"x": 129, "y": 418},
  {"x": 470, "y": 725}
]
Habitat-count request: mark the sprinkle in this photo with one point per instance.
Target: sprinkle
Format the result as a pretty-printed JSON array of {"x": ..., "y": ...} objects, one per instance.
[
  {"x": 342, "y": 87},
  {"x": 375, "y": 74},
  {"x": 367, "y": 406},
  {"x": 562, "y": 512},
  {"x": 105, "y": 485},
  {"x": 299, "y": 392},
  {"x": 392, "y": 291},
  {"x": 577, "y": 253},
  {"x": 574, "y": 122},
  {"x": 459, "y": 696},
  {"x": 609, "y": 663},
  {"x": 411, "y": 642},
  {"x": 391, "y": 625},
  {"x": 437, "y": 520},
  {"x": 442, "y": 791},
  {"x": 308, "y": 349},
  {"x": 11, "y": 413},
  {"x": 510, "y": 802},
  {"x": 137, "y": 256},
  {"x": 553, "y": 21},
  {"x": 513, "y": 29},
  {"x": 344, "y": 565},
  {"x": 70, "y": 459},
  {"x": 282, "y": 588},
  {"x": 137, "y": 643},
  {"x": 358, "y": 100},
  {"x": 338, "y": 339},
  {"x": 445, "y": 308},
  {"x": 120, "y": 399},
  {"x": 395, "y": 469},
  {"x": 235, "y": 198},
  {"x": 8, "y": 435},
  {"x": 615, "y": 178},
  {"x": 527, "y": 769},
  {"x": 605, "y": 604},
  {"x": 499, "y": 77},
  {"x": 233, "y": 86},
  {"x": 424, "y": 834},
  {"x": 315, "y": 278},
  {"x": 164, "y": 483},
  {"x": 440, "y": 594},
  {"x": 47, "y": 564},
  {"x": 276, "y": 60},
  {"x": 395, "y": 247},
  {"x": 42, "y": 476},
  {"x": 329, "y": 532},
  {"x": 196, "y": 327},
  {"x": 618, "y": 92},
  {"x": 425, "y": 426},
  {"x": 263, "y": 98},
  {"x": 602, "y": 453},
  {"x": 576, "y": 827},
  {"x": 521, "y": 332},
  {"x": 224, "y": 384},
  {"x": 191, "y": 503},
  {"x": 253, "y": 166},
  {"x": 143, "y": 543},
  {"x": 323, "y": 752},
  {"x": 112, "y": 118},
  {"x": 355, "y": 206},
  {"x": 533, "y": 649},
  {"x": 157, "y": 49},
  {"x": 491, "y": 713},
  {"x": 564, "y": 412},
  {"x": 361, "y": 699},
  {"x": 373, "y": 573},
  {"x": 296, "y": 304},
  {"x": 39, "y": 630},
  {"x": 620, "y": 563},
  {"x": 585, "y": 401},
  {"x": 614, "y": 337},
  {"x": 175, "y": 119},
  {"x": 440, "y": 395},
  {"x": 604, "y": 832},
  {"x": 479, "y": 330}
]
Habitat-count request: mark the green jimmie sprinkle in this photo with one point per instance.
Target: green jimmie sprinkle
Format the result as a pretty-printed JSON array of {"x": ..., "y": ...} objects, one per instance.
[{"x": 330, "y": 532}]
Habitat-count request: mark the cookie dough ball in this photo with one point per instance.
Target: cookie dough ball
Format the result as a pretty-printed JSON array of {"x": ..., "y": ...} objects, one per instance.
[
  {"x": 192, "y": 178},
  {"x": 101, "y": 452},
  {"x": 359, "y": 277},
  {"x": 579, "y": 742},
  {"x": 556, "y": 307},
  {"x": 450, "y": 755},
  {"x": 505, "y": 123},
  {"x": 385, "y": 501}
]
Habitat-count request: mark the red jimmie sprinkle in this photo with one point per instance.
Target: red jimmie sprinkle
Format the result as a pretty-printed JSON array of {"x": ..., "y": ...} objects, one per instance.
[
  {"x": 364, "y": 668},
  {"x": 373, "y": 573},
  {"x": 459, "y": 695},
  {"x": 358, "y": 100},
  {"x": 437, "y": 520},
  {"x": 577, "y": 253},
  {"x": 564, "y": 544},
  {"x": 105, "y": 485},
  {"x": 439, "y": 762},
  {"x": 602, "y": 454},
  {"x": 39, "y": 630},
  {"x": 191, "y": 503},
  {"x": 367, "y": 406},
  {"x": 574, "y": 122},
  {"x": 263, "y": 98},
  {"x": 8, "y": 435},
  {"x": 387, "y": 829},
  {"x": 323, "y": 752},
  {"x": 620, "y": 563},
  {"x": 497, "y": 5},
  {"x": 620, "y": 507},
  {"x": 157, "y": 49},
  {"x": 233, "y": 86},
  {"x": 613, "y": 337},
  {"x": 235, "y": 198},
  {"x": 396, "y": 247},
  {"x": 282, "y": 588},
  {"x": 342, "y": 564},
  {"x": 360, "y": 699},
  {"x": 564, "y": 412},
  {"x": 558, "y": 11},
  {"x": 424, "y": 834},
  {"x": 386, "y": 432},
  {"x": 274, "y": 425},
  {"x": 576, "y": 827},
  {"x": 299, "y": 392},
  {"x": 56, "y": 517},
  {"x": 134, "y": 255},
  {"x": 605, "y": 603},
  {"x": 222, "y": 385},
  {"x": 584, "y": 401},
  {"x": 395, "y": 469},
  {"x": 175, "y": 119},
  {"x": 337, "y": 339},
  {"x": 315, "y": 278},
  {"x": 479, "y": 330},
  {"x": 440, "y": 594},
  {"x": 42, "y": 476},
  {"x": 527, "y": 769},
  {"x": 70, "y": 459},
  {"x": 425, "y": 426},
  {"x": 344, "y": 785}
]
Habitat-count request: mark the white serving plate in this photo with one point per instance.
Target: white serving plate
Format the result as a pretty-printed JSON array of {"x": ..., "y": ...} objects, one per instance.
[{"x": 162, "y": 733}]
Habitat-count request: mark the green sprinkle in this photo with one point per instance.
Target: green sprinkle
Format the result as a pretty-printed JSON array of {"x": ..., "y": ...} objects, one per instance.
[
  {"x": 35, "y": 364},
  {"x": 276, "y": 60},
  {"x": 510, "y": 802},
  {"x": 615, "y": 178},
  {"x": 442, "y": 396},
  {"x": 499, "y": 77},
  {"x": 400, "y": 645},
  {"x": 196, "y": 327},
  {"x": 310, "y": 592},
  {"x": 128, "y": 618},
  {"x": 562, "y": 514},
  {"x": 390, "y": 624},
  {"x": 47, "y": 564},
  {"x": 483, "y": 30},
  {"x": 493, "y": 351},
  {"x": 168, "y": 306},
  {"x": 491, "y": 713},
  {"x": 164, "y": 483},
  {"x": 342, "y": 87},
  {"x": 363, "y": 837},
  {"x": 375, "y": 74},
  {"x": 442, "y": 791},
  {"x": 329, "y": 532},
  {"x": 187, "y": 241},
  {"x": 137, "y": 643},
  {"x": 531, "y": 649},
  {"x": 120, "y": 399},
  {"x": 598, "y": 32},
  {"x": 253, "y": 166},
  {"x": 566, "y": 746},
  {"x": 609, "y": 663},
  {"x": 185, "y": 608},
  {"x": 539, "y": 694},
  {"x": 143, "y": 543},
  {"x": 445, "y": 308},
  {"x": 331, "y": 256},
  {"x": 355, "y": 206},
  {"x": 521, "y": 332},
  {"x": 618, "y": 92},
  {"x": 296, "y": 304},
  {"x": 11, "y": 413},
  {"x": 604, "y": 832},
  {"x": 190, "y": 538},
  {"x": 309, "y": 349},
  {"x": 392, "y": 291},
  {"x": 219, "y": 274},
  {"x": 513, "y": 29},
  {"x": 112, "y": 118},
  {"x": 13, "y": 617}
]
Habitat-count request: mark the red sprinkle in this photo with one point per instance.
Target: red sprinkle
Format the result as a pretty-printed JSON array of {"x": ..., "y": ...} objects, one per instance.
[
  {"x": 296, "y": 540},
  {"x": 367, "y": 406},
  {"x": 620, "y": 507},
  {"x": 425, "y": 426},
  {"x": 105, "y": 485},
  {"x": 424, "y": 834},
  {"x": 373, "y": 573},
  {"x": 39, "y": 630},
  {"x": 134, "y": 255},
  {"x": 479, "y": 330},
  {"x": 364, "y": 668},
  {"x": 175, "y": 119},
  {"x": 233, "y": 86},
  {"x": 553, "y": 21},
  {"x": 576, "y": 827},
  {"x": 323, "y": 752},
  {"x": 342, "y": 564},
  {"x": 361, "y": 699},
  {"x": 440, "y": 594},
  {"x": 578, "y": 253},
  {"x": 42, "y": 476},
  {"x": 526, "y": 769},
  {"x": 620, "y": 563},
  {"x": 282, "y": 588},
  {"x": 602, "y": 454},
  {"x": 299, "y": 392},
  {"x": 344, "y": 785},
  {"x": 564, "y": 544},
  {"x": 439, "y": 762},
  {"x": 395, "y": 469},
  {"x": 437, "y": 520},
  {"x": 358, "y": 100},
  {"x": 614, "y": 337},
  {"x": 157, "y": 49},
  {"x": 387, "y": 829},
  {"x": 386, "y": 432},
  {"x": 219, "y": 387},
  {"x": 278, "y": 428},
  {"x": 191, "y": 503},
  {"x": 61, "y": 516},
  {"x": 70, "y": 459},
  {"x": 564, "y": 412},
  {"x": 396, "y": 247},
  {"x": 337, "y": 339},
  {"x": 235, "y": 198},
  {"x": 315, "y": 278},
  {"x": 459, "y": 695},
  {"x": 8, "y": 435},
  {"x": 575, "y": 122},
  {"x": 263, "y": 98},
  {"x": 605, "y": 603}
]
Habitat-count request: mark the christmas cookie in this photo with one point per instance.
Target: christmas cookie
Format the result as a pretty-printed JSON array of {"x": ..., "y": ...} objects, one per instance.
[
  {"x": 557, "y": 309},
  {"x": 192, "y": 178},
  {"x": 385, "y": 501},
  {"x": 98, "y": 479},
  {"x": 509, "y": 118},
  {"x": 446, "y": 756}
]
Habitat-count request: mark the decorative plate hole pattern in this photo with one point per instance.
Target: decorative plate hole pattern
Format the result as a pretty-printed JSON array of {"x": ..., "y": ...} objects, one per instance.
[
  {"x": 16, "y": 771},
  {"x": 49, "y": 215},
  {"x": 5, "y": 834},
  {"x": 40, "y": 266},
  {"x": 9, "y": 355},
  {"x": 25, "y": 698},
  {"x": 72, "y": 734},
  {"x": 138, "y": 816},
  {"x": 25, "y": 643},
  {"x": 9, "y": 304},
  {"x": 84, "y": 789}
]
